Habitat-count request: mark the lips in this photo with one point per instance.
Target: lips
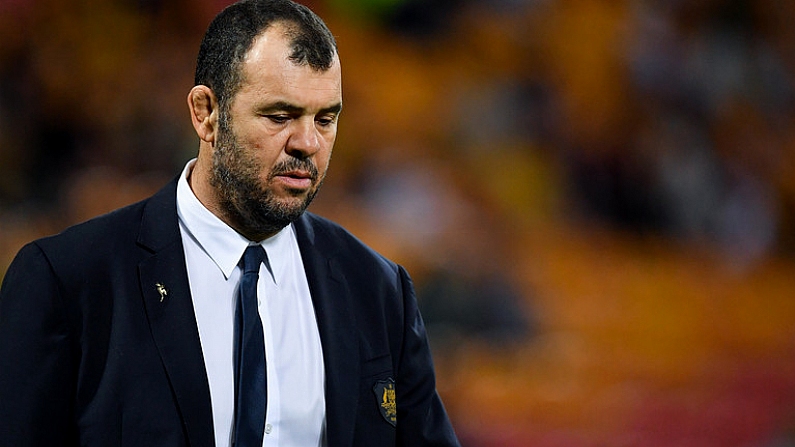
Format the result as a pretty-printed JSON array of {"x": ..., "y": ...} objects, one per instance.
[
  {"x": 296, "y": 179},
  {"x": 296, "y": 174}
]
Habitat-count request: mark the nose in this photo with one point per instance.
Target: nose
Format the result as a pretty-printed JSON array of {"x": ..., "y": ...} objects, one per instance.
[{"x": 305, "y": 140}]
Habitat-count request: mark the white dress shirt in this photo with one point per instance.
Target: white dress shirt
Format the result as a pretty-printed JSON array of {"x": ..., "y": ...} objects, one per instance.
[{"x": 296, "y": 398}]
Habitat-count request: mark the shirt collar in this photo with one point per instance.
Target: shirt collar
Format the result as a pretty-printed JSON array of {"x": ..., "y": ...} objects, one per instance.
[{"x": 219, "y": 241}]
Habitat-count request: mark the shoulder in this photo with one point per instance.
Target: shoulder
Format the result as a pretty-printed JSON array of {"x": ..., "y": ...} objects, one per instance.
[
  {"x": 334, "y": 238},
  {"x": 91, "y": 235},
  {"x": 335, "y": 241},
  {"x": 81, "y": 254},
  {"x": 109, "y": 241},
  {"x": 114, "y": 231}
]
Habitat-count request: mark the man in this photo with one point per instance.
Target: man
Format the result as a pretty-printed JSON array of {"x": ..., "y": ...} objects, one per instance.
[{"x": 166, "y": 324}]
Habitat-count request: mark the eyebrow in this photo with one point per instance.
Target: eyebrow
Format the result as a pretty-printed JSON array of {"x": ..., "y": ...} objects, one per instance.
[{"x": 283, "y": 106}]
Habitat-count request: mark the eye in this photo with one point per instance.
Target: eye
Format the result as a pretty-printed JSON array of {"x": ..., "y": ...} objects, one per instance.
[
  {"x": 326, "y": 120},
  {"x": 278, "y": 119}
]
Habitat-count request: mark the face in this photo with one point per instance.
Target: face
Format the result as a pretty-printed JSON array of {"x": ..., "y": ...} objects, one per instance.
[{"x": 274, "y": 146}]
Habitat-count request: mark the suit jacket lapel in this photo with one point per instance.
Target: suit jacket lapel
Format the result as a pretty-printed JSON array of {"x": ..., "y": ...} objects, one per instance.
[
  {"x": 337, "y": 327},
  {"x": 169, "y": 308}
]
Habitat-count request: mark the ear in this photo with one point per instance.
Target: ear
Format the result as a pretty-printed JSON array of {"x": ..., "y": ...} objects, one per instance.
[{"x": 203, "y": 106}]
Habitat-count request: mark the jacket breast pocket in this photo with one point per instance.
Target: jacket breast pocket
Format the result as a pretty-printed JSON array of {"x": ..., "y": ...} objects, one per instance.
[{"x": 377, "y": 366}]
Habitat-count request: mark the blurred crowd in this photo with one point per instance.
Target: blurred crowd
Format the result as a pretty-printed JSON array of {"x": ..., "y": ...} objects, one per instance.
[{"x": 553, "y": 173}]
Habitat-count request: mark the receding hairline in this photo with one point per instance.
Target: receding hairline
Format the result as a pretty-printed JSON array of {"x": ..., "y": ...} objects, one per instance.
[
  {"x": 291, "y": 31},
  {"x": 308, "y": 40},
  {"x": 287, "y": 29}
]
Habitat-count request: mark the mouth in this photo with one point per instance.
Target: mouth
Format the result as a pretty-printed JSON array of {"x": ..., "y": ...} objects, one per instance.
[{"x": 296, "y": 179}]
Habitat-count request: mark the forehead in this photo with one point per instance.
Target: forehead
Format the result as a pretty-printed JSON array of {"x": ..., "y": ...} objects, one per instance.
[{"x": 268, "y": 73}]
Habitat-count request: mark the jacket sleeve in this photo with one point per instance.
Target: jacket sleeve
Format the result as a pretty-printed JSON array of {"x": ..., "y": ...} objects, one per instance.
[
  {"x": 37, "y": 357},
  {"x": 421, "y": 417}
]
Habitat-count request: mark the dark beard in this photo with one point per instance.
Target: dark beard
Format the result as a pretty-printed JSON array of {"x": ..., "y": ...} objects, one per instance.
[{"x": 252, "y": 210}]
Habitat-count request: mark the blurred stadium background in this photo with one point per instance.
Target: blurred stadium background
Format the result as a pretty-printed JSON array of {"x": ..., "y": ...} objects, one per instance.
[{"x": 596, "y": 198}]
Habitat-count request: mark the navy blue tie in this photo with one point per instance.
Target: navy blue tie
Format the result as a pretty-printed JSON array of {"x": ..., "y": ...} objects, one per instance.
[{"x": 251, "y": 378}]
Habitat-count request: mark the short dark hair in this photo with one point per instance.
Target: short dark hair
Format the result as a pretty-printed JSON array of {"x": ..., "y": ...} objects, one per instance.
[{"x": 231, "y": 34}]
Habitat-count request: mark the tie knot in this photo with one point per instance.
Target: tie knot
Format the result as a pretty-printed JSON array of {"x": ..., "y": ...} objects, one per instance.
[{"x": 252, "y": 258}]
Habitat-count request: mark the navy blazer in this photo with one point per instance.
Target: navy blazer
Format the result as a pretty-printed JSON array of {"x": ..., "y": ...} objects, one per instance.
[{"x": 91, "y": 354}]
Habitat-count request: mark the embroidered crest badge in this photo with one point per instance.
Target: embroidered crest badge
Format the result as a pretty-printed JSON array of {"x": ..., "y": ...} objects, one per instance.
[{"x": 385, "y": 397}]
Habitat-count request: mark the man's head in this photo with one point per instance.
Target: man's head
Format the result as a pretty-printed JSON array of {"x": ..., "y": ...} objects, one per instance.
[
  {"x": 231, "y": 34},
  {"x": 267, "y": 97}
]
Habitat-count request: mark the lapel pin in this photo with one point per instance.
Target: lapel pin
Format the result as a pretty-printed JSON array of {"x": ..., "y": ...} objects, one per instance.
[{"x": 162, "y": 290}]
